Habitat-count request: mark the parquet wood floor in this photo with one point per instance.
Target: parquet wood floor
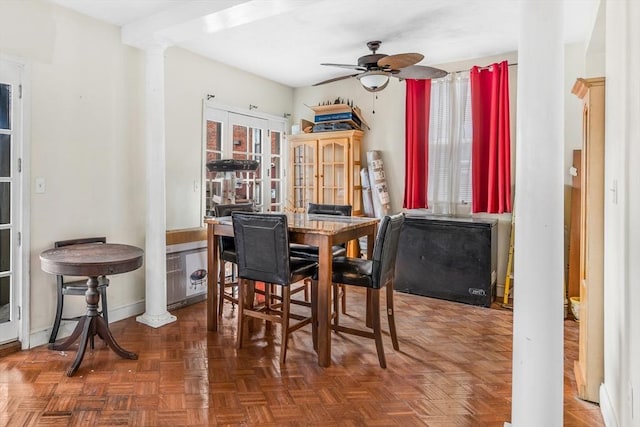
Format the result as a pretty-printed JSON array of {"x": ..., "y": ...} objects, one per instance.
[{"x": 453, "y": 369}]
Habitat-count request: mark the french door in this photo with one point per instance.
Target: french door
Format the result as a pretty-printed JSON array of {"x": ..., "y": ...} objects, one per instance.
[
  {"x": 244, "y": 136},
  {"x": 10, "y": 192}
]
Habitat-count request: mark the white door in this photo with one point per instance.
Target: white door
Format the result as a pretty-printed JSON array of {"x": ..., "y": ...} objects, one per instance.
[
  {"x": 249, "y": 136},
  {"x": 10, "y": 191},
  {"x": 237, "y": 135}
]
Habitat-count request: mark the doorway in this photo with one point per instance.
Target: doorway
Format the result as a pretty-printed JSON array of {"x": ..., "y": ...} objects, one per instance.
[{"x": 11, "y": 148}]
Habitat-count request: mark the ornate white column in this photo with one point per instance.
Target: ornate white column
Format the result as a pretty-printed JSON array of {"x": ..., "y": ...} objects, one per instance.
[
  {"x": 537, "y": 390},
  {"x": 156, "y": 313}
]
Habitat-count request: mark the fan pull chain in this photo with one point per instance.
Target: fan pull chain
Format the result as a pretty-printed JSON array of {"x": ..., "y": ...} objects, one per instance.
[{"x": 373, "y": 108}]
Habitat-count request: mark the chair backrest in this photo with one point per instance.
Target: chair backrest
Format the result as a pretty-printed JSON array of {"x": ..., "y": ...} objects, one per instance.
[
  {"x": 315, "y": 208},
  {"x": 385, "y": 249},
  {"x": 226, "y": 243},
  {"x": 84, "y": 240},
  {"x": 69, "y": 242},
  {"x": 225, "y": 210},
  {"x": 339, "y": 210},
  {"x": 262, "y": 247}
]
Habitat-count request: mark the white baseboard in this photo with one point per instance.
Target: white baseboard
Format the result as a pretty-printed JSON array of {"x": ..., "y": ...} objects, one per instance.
[
  {"x": 606, "y": 408},
  {"x": 41, "y": 336}
]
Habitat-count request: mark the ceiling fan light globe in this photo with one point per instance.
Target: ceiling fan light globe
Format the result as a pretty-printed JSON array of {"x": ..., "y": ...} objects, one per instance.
[{"x": 374, "y": 81}]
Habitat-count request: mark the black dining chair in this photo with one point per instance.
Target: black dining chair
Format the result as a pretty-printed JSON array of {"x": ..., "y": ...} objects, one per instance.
[
  {"x": 227, "y": 250},
  {"x": 262, "y": 248},
  {"x": 373, "y": 275},
  {"x": 77, "y": 287},
  {"x": 306, "y": 251}
]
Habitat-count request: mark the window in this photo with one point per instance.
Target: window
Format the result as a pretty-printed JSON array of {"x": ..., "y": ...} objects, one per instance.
[
  {"x": 232, "y": 133},
  {"x": 450, "y": 135}
]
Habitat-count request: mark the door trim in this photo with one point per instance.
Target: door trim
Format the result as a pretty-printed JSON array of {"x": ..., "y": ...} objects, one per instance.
[{"x": 24, "y": 260}]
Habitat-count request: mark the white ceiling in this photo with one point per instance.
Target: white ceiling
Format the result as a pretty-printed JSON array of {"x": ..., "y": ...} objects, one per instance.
[{"x": 286, "y": 40}]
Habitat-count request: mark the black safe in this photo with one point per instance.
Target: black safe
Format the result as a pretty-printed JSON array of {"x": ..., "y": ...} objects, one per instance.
[{"x": 449, "y": 258}]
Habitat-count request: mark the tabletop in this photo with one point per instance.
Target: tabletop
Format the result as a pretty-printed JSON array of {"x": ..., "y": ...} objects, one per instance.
[
  {"x": 91, "y": 259},
  {"x": 317, "y": 223}
]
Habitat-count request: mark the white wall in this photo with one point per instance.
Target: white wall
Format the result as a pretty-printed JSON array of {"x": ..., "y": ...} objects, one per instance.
[
  {"x": 620, "y": 394},
  {"x": 88, "y": 139},
  {"x": 86, "y": 97},
  {"x": 189, "y": 78}
]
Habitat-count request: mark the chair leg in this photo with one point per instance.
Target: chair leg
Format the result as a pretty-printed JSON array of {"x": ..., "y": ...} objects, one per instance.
[
  {"x": 368, "y": 310},
  {"x": 336, "y": 296},
  {"x": 103, "y": 301},
  {"x": 222, "y": 286},
  {"x": 241, "y": 295},
  {"x": 314, "y": 314},
  {"x": 391, "y": 317},
  {"x": 375, "y": 320},
  {"x": 268, "y": 292},
  {"x": 56, "y": 322},
  {"x": 344, "y": 299},
  {"x": 286, "y": 304}
]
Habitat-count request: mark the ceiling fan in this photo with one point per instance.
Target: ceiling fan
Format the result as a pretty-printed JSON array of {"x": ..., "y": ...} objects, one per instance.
[{"x": 377, "y": 67}]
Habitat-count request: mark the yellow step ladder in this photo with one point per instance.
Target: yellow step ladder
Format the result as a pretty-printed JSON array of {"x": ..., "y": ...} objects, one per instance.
[{"x": 508, "y": 287}]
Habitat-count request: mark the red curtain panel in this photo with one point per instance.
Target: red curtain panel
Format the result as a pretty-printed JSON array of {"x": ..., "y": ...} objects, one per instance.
[
  {"x": 491, "y": 150},
  {"x": 418, "y": 100}
]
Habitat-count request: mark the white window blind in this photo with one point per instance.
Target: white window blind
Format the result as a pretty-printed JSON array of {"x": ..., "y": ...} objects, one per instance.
[{"x": 450, "y": 133}]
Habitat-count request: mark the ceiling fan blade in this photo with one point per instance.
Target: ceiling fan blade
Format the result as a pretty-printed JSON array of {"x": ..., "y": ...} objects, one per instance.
[
  {"x": 420, "y": 72},
  {"x": 350, "y": 67},
  {"x": 335, "y": 79},
  {"x": 401, "y": 60}
]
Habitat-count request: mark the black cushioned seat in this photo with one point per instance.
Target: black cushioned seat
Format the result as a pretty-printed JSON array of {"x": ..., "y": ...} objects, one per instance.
[
  {"x": 301, "y": 250},
  {"x": 374, "y": 275},
  {"x": 311, "y": 252},
  {"x": 262, "y": 244},
  {"x": 228, "y": 254}
]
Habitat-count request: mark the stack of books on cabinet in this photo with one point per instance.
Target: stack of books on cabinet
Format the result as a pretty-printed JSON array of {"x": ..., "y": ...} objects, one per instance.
[{"x": 337, "y": 117}]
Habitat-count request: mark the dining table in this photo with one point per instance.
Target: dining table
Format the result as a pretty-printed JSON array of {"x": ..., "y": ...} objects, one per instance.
[
  {"x": 91, "y": 260},
  {"x": 322, "y": 231}
]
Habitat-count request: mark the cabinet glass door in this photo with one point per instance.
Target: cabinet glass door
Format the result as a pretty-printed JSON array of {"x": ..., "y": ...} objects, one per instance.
[
  {"x": 303, "y": 175},
  {"x": 333, "y": 182}
]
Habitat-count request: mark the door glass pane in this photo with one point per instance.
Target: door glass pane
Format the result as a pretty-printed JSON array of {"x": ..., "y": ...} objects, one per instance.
[
  {"x": 340, "y": 173},
  {"x": 214, "y": 136},
  {"x": 276, "y": 137},
  {"x": 275, "y": 167},
  {"x": 339, "y": 153},
  {"x": 5, "y": 106},
  {"x": 5, "y": 202},
  {"x": 5, "y": 155},
  {"x": 328, "y": 175},
  {"x": 275, "y": 192},
  {"x": 5, "y": 298},
  {"x": 5, "y": 253},
  {"x": 327, "y": 153}
]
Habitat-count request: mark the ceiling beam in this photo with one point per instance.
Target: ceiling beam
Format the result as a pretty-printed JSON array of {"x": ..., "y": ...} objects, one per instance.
[{"x": 196, "y": 19}]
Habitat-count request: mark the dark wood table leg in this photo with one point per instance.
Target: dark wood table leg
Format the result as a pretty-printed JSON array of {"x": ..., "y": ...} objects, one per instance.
[
  {"x": 324, "y": 306},
  {"x": 102, "y": 329},
  {"x": 66, "y": 343},
  {"x": 88, "y": 326}
]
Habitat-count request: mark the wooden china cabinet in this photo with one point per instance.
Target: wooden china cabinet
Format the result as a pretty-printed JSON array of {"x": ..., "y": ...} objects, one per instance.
[
  {"x": 589, "y": 368},
  {"x": 324, "y": 167}
]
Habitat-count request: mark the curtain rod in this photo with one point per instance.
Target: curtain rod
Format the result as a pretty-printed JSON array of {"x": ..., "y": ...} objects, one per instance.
[{"x": 482, "y": 68}]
